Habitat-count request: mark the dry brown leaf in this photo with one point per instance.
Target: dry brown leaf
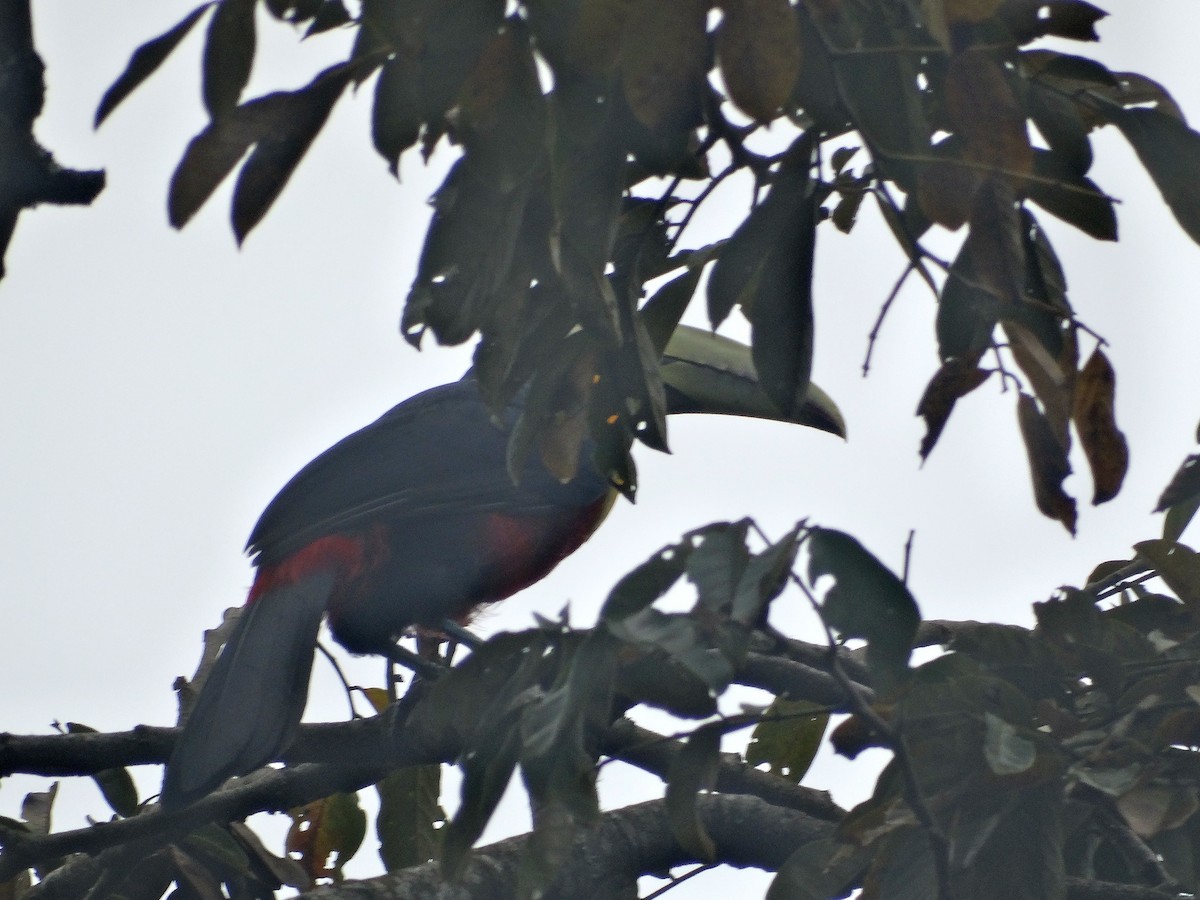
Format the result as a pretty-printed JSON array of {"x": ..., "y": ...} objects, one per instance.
[
  {"x": 1095, "y": 422},
  {"x": 664, "y": 57},
  {"x": 1048, "y": 464},
  {"x": 758, "y": 51}
]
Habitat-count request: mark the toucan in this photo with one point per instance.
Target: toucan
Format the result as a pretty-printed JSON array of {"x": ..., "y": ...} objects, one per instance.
[{"x": 413, "y": 520}]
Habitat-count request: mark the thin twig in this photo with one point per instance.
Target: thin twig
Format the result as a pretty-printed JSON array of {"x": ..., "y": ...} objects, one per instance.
[
  {"x": 938, "y": 845},
  {"x": 676, "y": 882},
  {"x": 883, "y": 311},
  {"x": 908, "y": 546}
]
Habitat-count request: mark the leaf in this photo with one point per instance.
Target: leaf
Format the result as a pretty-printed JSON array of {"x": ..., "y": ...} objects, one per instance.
[
  {"x": 329, "y": 15},
  {"x": 410, "y": 817},
  {"x": 717, "y": 562},
  {"x": 194, "y": 878},
  {"x": 1020, "y": 847},
  {"x": 967, "y": 314},
  {"x": 953, "y": 381},
  {"x": 866, "y": 601},
  {"x": 1060, "y": 121},
  {"x": 819, "y": 870},
  {"x": 694, "y": 769},
  {"x": 1006, "y": 750},
  {"x": 558, "y": 764},
  {"x": 996, "y": 242},
  {"x": 664, "y": 56},
  {"x": 662, "y": 312},
  {"x": 145, "y": 62},
  {"x": 213, "y": 153},
  {"x": 228, "y": 56},
  {"x": 1072, "y": 198},
  {"x": 116, "y": 784},
  {"x": 36, "y": 809},
  {"x": 288, "y": 872},
  {"x": 758, "y": 51},
  {"x": 1072, "y": 19},
  {"x": 1095, "y": 421},
  {"x": 1181, "y": 498},
  {"x": 787, "y": 739},
  {"x": 594, "y": 42},
  {"x": 1184, "y": 486},
  {"x": 1178, "y": 565},
  {"x": 970, "y": 11},
  {"x": 501, "y": 114},
  {"x": 277, "y": 153},
  {"x": 119, "y": 790},
  {"x": 983, "y": 109},
  {"x": 680, "y": 637},
  {"x": 1151, "y": 809},
  {"x": 781, "y": 306},
  {"x": 395, "y": 113},
  {"x": 647, "y": 583},
  {"x": 1048, "y": 464},
  {"x": 1041, "y": 329},
  {"x": 478, "y": 703},
  {"x": 467, "y": 257},
  {"x": 1170, "y": 152},
  {"x": 764, "y": 578},
  {"x": 326, "y": 833}
]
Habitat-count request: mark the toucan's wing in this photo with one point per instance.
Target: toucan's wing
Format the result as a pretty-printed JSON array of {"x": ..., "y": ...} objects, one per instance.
[{"x": 437, "y": 453}]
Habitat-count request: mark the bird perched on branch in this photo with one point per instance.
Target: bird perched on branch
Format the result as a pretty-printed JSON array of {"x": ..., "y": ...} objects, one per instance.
[{"x": 412, "y": 520}]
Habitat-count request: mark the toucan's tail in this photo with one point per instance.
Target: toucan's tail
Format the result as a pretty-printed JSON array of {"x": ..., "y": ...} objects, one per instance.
[{"x": 249, "y": 707}]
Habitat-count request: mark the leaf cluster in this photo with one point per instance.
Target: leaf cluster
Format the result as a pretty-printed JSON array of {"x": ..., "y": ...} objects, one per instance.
[
  {"x": 590, "y": 132},
  {"x": 1025, "y": 763}
]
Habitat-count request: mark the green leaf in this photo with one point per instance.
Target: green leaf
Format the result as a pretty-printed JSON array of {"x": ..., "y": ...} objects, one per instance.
[
  {"x": 1181, "y": 498},
  {"x": 647, "y": 583},
  {"x": 662, "y": 312},
  {"x": 228, "y": 56},
  {"x": 145, "y": 61},
  {"x": 487, "y": 769},
  {"x": 680, "y": 637},
  {"x": 329, "y": 15},
  {"x": 819, "y": 870},
  {"x": 278, "y": 152},
  {"x": 866, "y": 601},
  {"x": 1007, "y": 752},
  {"x": 1178, "y": 565},
  {"x": 395, "y": 114},
  {"x": 115, "y": 784},
  {"x": 1071, "y": 197},
  {"x": 764, "y": 578},
  {"x": 717, "y": 562},
  {"x": 902, "y": 867},
  {"x": 694, "y": 769},
  {"x": 36, "y": 809},
  {"x": 788, "y": 738},
  {"x": 758, "y": 51},
  {"x": 212, "y": 844},
  {"x": 1170, "y": 152},
  {"x": 781, "y": 314},
  {"x": 967, "y": 314},
  {"x": 410, "y": 817}
]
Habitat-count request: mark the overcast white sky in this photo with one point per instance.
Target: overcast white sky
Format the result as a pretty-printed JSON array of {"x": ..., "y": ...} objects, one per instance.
[{"x": 157, "y": 388}]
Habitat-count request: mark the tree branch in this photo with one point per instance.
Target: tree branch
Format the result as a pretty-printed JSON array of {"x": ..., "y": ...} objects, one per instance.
[
  {"x": 607, "y": 859},
  {"x": 28, "y": 173}
]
